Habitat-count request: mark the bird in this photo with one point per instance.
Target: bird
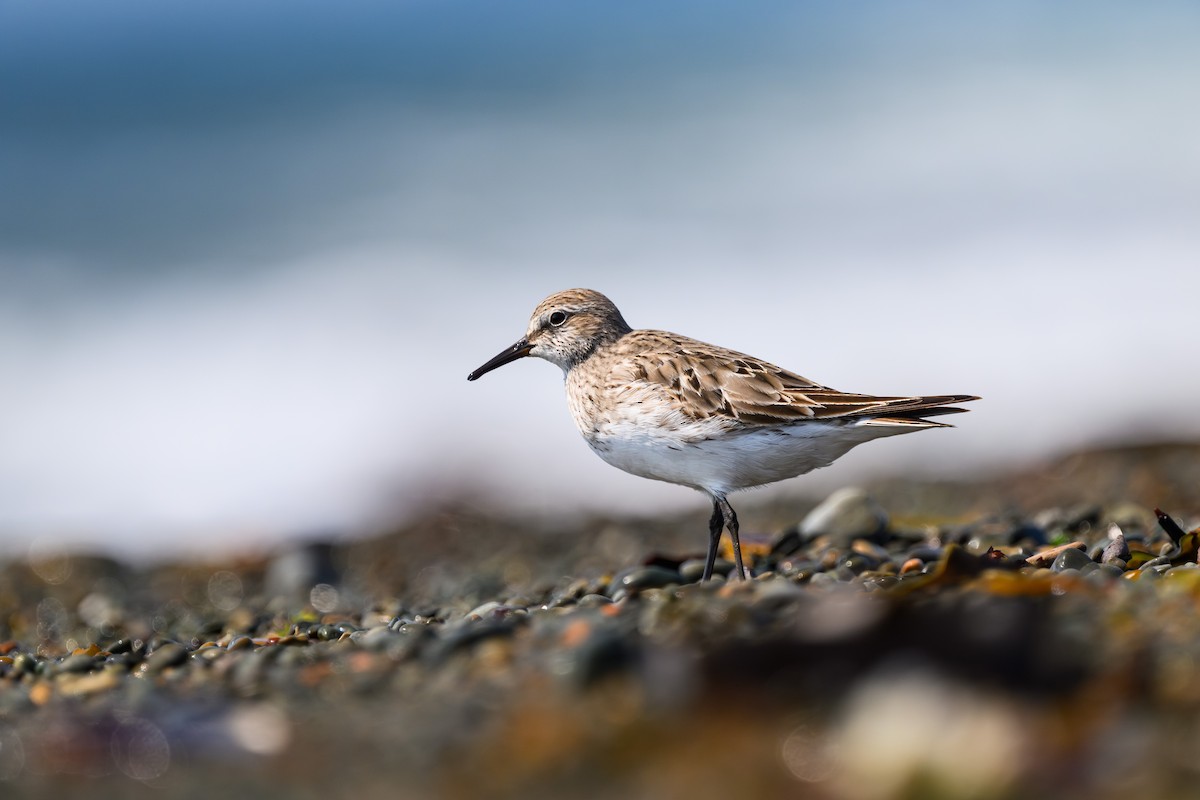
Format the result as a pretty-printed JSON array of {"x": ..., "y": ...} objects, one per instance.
[{"x": 670, "y": 408}]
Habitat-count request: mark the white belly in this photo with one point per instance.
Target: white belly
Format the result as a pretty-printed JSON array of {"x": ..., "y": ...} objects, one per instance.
[{"x": 728, "y": 461}]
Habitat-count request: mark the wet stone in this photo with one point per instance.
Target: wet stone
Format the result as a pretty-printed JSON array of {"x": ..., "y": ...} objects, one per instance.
[
  {"x": 1071, "y": 558},
  {"x": 207, "y": 655},
  {"x": 1186, "y": 571},
  {"x": 644, "y": 578},
  {"x": 797, "y": 569},
  {"x": 692, "y": 570},
  {"x": 166, "y": 656},
  {"x": 76, "y": 663},
  {"x": 858, "y": 563},
  {"x": 122, "y": 646}
]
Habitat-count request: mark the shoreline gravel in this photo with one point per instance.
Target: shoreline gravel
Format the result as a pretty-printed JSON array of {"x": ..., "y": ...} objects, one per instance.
[{"x": 1050, "y": 650}]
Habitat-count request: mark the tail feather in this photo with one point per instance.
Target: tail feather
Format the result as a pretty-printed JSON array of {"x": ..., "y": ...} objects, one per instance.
[{"x": 911, "y": 412}]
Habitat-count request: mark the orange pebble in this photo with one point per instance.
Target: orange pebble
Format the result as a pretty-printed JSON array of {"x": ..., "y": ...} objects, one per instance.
[
  {"x": 39, "y": 695},
  {"x": 576, "y": 633},
  {"x": 912, "y": 565}
]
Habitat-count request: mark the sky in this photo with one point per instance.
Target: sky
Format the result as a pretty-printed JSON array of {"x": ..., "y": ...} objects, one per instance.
[{"x": 248, "y": 253}]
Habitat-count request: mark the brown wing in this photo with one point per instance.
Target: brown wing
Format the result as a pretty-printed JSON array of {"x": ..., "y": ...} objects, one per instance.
[{"x": 709, "y": 381}]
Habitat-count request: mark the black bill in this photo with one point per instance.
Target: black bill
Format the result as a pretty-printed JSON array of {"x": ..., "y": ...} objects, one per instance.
[{"x": 518, "y": 350}]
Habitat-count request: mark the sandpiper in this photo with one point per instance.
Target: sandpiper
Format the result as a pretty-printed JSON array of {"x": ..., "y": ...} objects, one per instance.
[{"x": 674, "y": 409}]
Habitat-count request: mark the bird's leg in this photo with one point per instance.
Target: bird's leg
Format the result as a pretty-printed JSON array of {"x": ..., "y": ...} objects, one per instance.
[
  {"x": 731, "y": 522},
  {"x": 714, "y": 538}
]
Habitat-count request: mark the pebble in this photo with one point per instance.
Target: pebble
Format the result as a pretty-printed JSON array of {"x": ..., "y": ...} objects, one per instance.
[
  {"x": 857, "y": 563},
  {"x": 240, "y": 643},
  {"x": 24, "y": 663},
  {"x": 327, "y": 633},
  {"x": 1116, "y": 549},
  {"x": 844, "y": 516},
  {"x": 167, "y": 655},
  {"x": 125, "y": 646},
  {"x": 1070, "y": 558},
  {"x": 645, "y": 578},
  {"x": 76, "y": 663},
  {"x": 692, "y": 570}
]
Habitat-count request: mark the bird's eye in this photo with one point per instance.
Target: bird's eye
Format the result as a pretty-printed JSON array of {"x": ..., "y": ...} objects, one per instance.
[{"x": 558, "y": 318}]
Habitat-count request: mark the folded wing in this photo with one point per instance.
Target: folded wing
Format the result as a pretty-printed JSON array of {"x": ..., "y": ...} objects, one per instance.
[{"x": 708, "y": 381}]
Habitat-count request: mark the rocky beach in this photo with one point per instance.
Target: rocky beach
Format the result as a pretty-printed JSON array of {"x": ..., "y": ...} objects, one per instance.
[{"x": 1030, "y": 634}]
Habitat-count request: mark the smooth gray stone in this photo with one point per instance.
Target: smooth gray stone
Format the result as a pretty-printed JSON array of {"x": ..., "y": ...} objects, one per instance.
[
  {"x": 1071, "y": 559},
  {"x": 844, "y": 516}
]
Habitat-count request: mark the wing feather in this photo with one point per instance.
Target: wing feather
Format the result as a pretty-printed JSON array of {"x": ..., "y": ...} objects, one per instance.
[{"x": 707, "y": 381}]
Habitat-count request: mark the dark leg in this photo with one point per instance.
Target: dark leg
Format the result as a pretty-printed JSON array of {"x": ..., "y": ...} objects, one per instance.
[
  {"x": 731, "y": 522},
  {"x": 714, "y": 538}
]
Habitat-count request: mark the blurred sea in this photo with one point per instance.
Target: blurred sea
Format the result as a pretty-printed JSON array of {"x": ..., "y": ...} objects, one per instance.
[{"x": 248, "y": 254}]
